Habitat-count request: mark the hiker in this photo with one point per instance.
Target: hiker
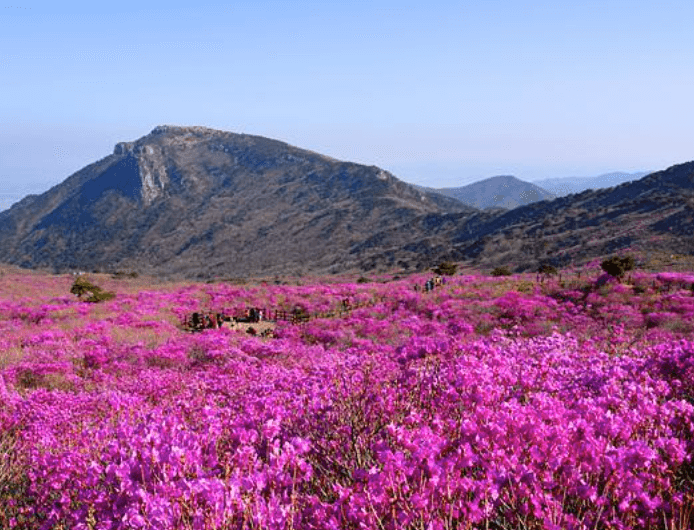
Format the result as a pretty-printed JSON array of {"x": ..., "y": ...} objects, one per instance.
[{"x": 196, "y": 323}]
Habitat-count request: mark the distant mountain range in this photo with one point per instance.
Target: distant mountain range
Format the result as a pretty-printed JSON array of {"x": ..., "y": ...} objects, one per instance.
[
  {"x": 566, "y": 186},
  {"x": 200, "y": 203}
]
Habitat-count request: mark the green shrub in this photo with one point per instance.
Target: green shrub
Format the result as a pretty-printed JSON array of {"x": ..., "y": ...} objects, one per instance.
[
  {"x": 101, "y": 296},
  {"x": 547, "y": 269},
  {"x": 118, "y": 275},
  {"x": 617, "y": 267},
  {"x": 446, "y": 268},
  {"x": 501, "y": 271},
  {"x": 92, "y": 293}
]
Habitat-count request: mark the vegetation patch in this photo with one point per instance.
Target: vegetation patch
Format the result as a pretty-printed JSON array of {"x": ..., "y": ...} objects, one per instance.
[{"x": 488, "y": 402}]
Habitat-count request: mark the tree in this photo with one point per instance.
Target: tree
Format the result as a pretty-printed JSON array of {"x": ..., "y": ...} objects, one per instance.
[
  {"x": 83, "y": 287},
  {"x": 547, "y": 270},
  {"x": 617, "y": 267},
  {"x": 446, "y": 268},
  {"x": 501, "y": 271}
]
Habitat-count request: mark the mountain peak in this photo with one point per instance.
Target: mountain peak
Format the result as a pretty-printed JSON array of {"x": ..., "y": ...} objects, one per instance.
[
  {"x": 173, "y": 133},
  {"x": 182, "y": 129},
  {"x": 502, "y": 191}
]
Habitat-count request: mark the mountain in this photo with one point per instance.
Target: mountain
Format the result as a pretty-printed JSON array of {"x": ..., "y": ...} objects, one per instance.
[
  {"x": 566, "y": 186},
  {"x": 198, "y": 202},
  {"x": 653, "y": 214},
  {"x": 497, "y": 192}
]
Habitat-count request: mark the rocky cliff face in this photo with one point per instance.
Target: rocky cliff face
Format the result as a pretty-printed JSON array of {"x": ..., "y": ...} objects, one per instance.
[{"x": 194, "y": 201}]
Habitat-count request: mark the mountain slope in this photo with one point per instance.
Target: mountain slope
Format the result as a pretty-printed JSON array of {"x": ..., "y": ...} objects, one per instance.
[
  {"x": 655, "y": 213},
  {"x": 199, "y": 202}
]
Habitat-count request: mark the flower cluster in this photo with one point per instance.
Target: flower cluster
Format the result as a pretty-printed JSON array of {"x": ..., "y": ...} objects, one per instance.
[{"x": 486, "y": 403}]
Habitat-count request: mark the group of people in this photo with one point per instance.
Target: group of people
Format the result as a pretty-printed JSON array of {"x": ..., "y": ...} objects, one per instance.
[
  {"x": 200, "y": 321},
  {"x": 252, "y": 315},
  {"x": 431, "y": 284}
]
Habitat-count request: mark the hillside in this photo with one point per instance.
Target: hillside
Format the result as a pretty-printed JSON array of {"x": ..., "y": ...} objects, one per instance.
[
  {"x": 198, "y": 202},
  {"x": 143, "y": 424},
  {"x": 653, "y": 214}
]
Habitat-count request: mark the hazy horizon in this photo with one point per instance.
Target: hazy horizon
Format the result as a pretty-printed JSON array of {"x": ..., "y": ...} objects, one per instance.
[{"x": 442, "y": 94}]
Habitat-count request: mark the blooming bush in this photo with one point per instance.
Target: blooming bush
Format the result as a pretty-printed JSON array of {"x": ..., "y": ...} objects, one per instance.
[{"x": 490, "y": 402}]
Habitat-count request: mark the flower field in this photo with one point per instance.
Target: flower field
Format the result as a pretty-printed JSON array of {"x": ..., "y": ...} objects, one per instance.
[{"x": 487, "y": 403}]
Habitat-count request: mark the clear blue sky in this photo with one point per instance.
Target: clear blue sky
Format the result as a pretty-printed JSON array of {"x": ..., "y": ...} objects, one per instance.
[{"x": 441, "y": 93}]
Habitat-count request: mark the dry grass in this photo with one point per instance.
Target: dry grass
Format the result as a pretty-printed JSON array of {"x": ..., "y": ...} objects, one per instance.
[
  {"x": 11, "y": 356},
  {"x": 148, "y": 337}
]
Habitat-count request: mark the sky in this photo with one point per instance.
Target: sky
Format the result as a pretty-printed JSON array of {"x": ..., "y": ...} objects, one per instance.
[{"x": 440, "y": 93}]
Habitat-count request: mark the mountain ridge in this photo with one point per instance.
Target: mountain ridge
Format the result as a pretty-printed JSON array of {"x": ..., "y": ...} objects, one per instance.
[
  {"x": 654, "y": 213},
  {"x": 198, "y": 201},
  {"x": 201, "y": 203}
]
